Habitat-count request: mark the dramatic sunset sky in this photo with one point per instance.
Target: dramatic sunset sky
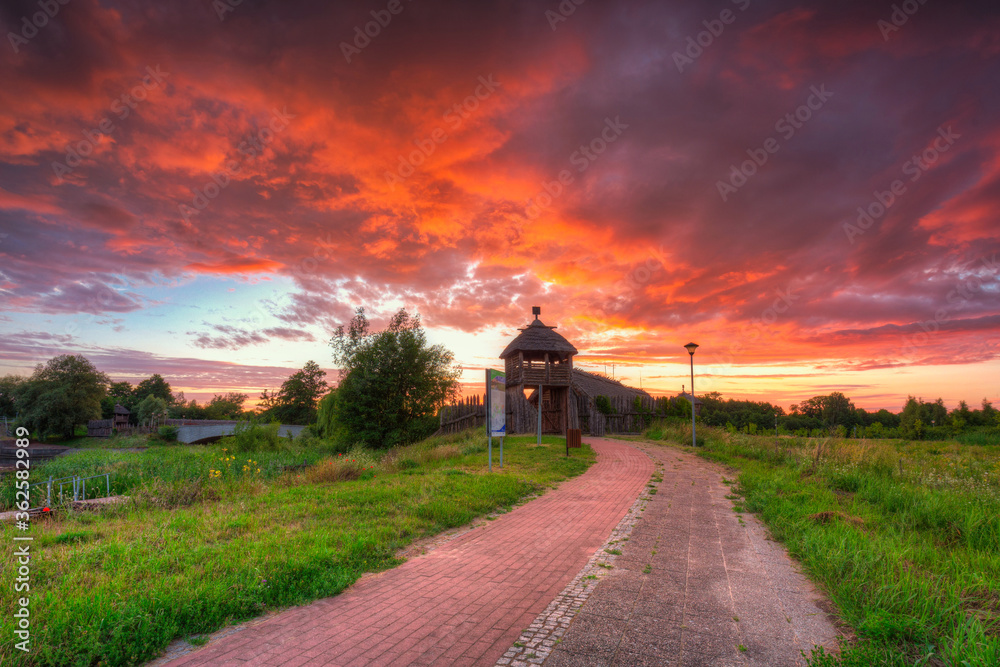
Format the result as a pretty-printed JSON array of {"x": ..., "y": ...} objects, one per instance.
[{"x": 207, "y": 189}]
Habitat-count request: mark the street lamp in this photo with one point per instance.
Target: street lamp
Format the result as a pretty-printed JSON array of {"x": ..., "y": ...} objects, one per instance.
[{"x": 691, "y": 347}]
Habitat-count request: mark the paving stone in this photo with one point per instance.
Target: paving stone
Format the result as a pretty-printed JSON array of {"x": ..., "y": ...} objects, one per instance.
[
  {"x": 708, "y": 567},
  {"x": 712, "y": 624},
  {"x": 651, "y": 625},
  {"x": 714, "y": 646}
]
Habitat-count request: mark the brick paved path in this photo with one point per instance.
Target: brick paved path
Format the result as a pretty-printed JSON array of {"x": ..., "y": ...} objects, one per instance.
[
  {"x": 464, "y": 603},
  {"x": 693, "y": 584}
]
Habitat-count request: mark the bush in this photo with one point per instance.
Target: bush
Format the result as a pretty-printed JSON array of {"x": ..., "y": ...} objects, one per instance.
[
  {"x": 603, "y": 405},
  {"x": 168, "y": 433},
  {"x": 251, "y": 436}
]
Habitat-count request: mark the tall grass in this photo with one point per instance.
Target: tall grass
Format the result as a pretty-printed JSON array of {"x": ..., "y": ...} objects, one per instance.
[
  {"x": 114, "y": 588},
  {"x": 905, "y": 537},
  {"x": 160, "y": 466}
]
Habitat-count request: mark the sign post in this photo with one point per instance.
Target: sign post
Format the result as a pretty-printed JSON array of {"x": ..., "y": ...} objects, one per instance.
[{"x": 496, "y": 410}]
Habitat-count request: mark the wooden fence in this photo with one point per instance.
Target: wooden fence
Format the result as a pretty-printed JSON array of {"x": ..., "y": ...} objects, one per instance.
[
  {"x": 105, "y": 428},
  {"x": 469, "y": 412},
  {"x": 623, "y": 416}
]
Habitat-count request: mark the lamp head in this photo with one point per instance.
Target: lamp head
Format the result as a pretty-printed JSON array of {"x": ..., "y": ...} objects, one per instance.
[{"x": 691, "y": 347}]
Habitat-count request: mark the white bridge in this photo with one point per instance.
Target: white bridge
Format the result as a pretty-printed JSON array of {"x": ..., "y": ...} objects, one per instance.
[{"x": 190, "y": 432}]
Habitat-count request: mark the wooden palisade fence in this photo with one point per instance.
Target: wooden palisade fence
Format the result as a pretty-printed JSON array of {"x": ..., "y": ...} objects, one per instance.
[
  {"x": 625, "y": 415},
  {"x": 105, "y": 428},
  {"x": 469, "y": 412}
]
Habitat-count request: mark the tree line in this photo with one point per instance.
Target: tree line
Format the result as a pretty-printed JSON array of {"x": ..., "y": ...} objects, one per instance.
[
  {"x": 836, "y": 414},
  {"x": 67, "y": 391}
]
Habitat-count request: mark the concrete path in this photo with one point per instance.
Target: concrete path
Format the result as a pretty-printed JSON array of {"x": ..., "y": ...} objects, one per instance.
[
  {"x": 693, "y": 584},
  {"x": 465, "y": 602}
]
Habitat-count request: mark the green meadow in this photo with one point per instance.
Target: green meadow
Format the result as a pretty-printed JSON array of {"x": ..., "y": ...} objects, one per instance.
[{"x": 212, "y": 535}]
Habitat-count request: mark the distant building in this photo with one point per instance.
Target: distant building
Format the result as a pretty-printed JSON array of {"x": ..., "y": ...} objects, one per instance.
[
  {"x": 687, "y": 397},
  {"x": 105, "y": 428}
]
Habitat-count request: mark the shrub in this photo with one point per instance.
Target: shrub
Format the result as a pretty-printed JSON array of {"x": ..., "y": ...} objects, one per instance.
[
  {"x": 251, "y": 436},
  {"x": 168, "y": 433}
]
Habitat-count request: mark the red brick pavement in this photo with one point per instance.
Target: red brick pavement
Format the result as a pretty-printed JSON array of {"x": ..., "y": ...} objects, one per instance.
[{"x": 464, "y": 603}]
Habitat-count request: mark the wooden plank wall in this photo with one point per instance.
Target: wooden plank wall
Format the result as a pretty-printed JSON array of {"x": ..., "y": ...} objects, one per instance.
[{"x": 583, "y": 414}]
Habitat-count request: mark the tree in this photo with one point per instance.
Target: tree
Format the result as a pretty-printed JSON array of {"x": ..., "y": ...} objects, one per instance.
[
  {"x": 392, "y": 382},
  {"x": 990, "y": 415},
  {"x": 812, "y": 407},
  {"x": 64, "y": 392},
  {"x": 8, "y": 391},
  {"x": 154, "y": 385},
  {"x": 886, "y": 418},
  {"x": 187, "y": 410},
  {"x": 226, "y": 406},
  {"x": 119, "y": 393},
  {"x": 934, "y": 413},
  {"x": 267, "y": 402},
  {"x": 838, "y": 410},
  {"x": 151, "y": 407},
  {"x": 910, "y": 422},
  {"x": 296, "y": 401},
  {"x": 326, "y": 415}
]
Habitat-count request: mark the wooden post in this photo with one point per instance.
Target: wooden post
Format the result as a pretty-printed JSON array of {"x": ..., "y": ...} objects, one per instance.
[{"x": 539, "y": 414}]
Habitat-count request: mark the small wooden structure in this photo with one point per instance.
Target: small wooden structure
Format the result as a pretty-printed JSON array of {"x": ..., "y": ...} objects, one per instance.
[
  {"x": 121, "y": 417},
  {"x": 687, "y": 397},
  {"x": 539, "y": 363},
  {"x": 541, "y": 359},
  {"x": 100, "y": 428},
  {"x": 105, "y": 428}
]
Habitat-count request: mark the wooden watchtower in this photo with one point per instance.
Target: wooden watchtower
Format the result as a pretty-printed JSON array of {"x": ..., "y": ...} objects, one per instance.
[
  {"x": 120, "y": 418},
  {"x": 540, "y": 359}
]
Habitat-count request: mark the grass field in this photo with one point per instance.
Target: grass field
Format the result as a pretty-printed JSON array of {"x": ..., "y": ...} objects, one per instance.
[
  {"x": 903, "y": 536},
  {"x": 115, "y": 587}
]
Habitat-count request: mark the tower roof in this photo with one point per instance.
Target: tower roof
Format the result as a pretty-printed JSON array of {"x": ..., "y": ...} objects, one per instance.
[{"x": 537, "y": 337}]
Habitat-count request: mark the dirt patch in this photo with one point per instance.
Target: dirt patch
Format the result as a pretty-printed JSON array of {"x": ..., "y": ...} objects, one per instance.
[
  {"x": 984, "y": 604},
  {"x": 827, "y": 517}
]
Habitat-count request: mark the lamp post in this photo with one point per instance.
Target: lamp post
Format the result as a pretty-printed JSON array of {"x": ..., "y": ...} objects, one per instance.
[{"x": 691, "y": 347}]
